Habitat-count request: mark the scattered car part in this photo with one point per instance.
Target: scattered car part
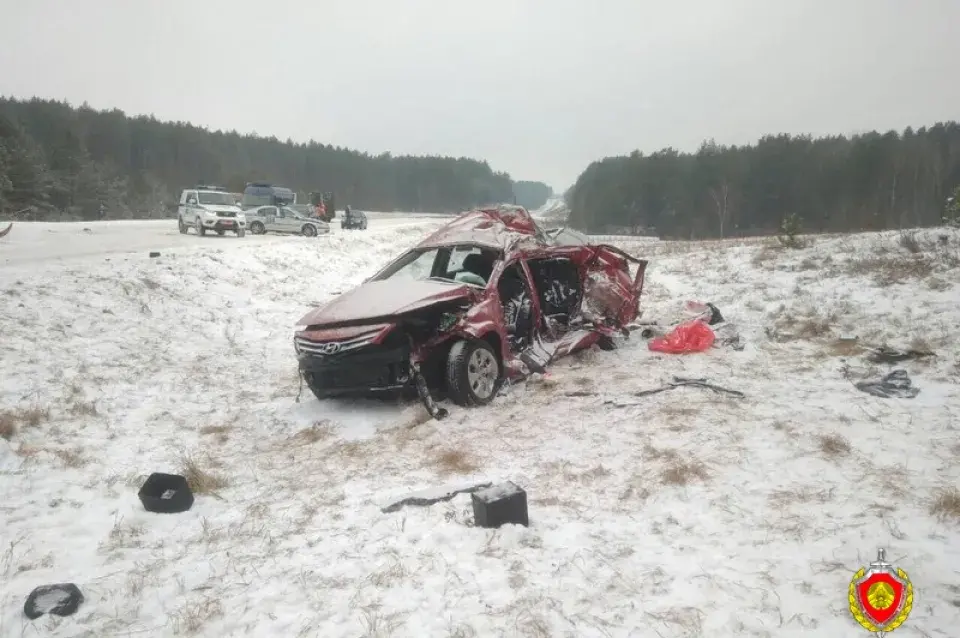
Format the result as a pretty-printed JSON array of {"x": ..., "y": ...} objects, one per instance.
[
  {"x": 896, "y": 385},
  {"x": 431, "y": 497},
  {"x": 886, "y": 354},
  {"x": 678, "y": 382},
  {"x": 500, "y": 505},
  {"x": 435, "y": 411},
  {"x": 62, "y": 599},
  {"x": 166, "y": 494}
]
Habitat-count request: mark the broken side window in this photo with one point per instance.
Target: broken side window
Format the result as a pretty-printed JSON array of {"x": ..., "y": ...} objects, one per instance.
[{"x": 471, "y": 264}]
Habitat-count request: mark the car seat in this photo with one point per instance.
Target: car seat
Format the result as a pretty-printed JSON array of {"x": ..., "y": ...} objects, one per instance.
[{"x": 479, "y": 264}]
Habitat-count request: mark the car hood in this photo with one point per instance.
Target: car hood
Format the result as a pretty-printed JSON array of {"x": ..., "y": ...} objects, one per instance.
[
  {"x": 380, "y": 299},
  {"x": 222, "y": 209}
]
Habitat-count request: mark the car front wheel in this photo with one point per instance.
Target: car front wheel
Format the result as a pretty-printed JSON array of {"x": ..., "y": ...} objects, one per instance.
[
  {"x": 183, "y": 228},
  {"x": 309, "y": 230},
  {"x": 474, "y": 374}
]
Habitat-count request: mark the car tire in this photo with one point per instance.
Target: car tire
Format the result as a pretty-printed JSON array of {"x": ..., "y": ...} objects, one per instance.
[
  {"x": 241, "y": 232},
  {"x": 221, "y": 232},
  {"x": 309, "y": 230},
  {"x": 474, "y": 372},
  {"x": 200, "y": 229},
  {"x": 257, "y": 228},
  {"x": 183, "y": 228}
]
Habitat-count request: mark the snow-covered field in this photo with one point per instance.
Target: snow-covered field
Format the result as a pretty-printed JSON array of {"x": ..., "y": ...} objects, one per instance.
[{"x": 681, "y": 514}]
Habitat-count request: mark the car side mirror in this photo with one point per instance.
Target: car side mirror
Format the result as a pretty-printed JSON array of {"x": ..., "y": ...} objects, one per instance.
[{"x": 191, "y": 202}]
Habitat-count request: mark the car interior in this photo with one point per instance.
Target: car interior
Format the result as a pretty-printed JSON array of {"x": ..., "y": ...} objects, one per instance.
[
  {"x": 517, "y": 307},
  {"x": 476, "y": 267},
  {"x": 558, "y": 286}
]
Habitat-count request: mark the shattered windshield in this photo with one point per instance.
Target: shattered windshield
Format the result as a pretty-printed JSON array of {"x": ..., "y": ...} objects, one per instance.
[
  {"x": 413, "y": 265},
  {"x": 216, "y": 199}
]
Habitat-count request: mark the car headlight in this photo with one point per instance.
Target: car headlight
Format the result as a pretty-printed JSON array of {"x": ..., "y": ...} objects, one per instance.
[{"x": 299, "y": 327}]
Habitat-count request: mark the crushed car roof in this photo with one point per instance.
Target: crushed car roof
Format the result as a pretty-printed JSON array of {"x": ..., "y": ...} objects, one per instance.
[{"x": 503, "y": 228}]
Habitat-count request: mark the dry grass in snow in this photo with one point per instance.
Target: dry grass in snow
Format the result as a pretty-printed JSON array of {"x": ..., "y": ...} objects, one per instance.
[{"x": 680, "y": 514}]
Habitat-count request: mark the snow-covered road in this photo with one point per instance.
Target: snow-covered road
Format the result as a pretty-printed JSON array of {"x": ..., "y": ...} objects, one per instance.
[
  {"x": 30, "y": 242},
  {"x": 684, "y": 514}
]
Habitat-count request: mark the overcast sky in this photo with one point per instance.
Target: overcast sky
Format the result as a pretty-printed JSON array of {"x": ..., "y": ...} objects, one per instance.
[{"x": 539, "y": 88}]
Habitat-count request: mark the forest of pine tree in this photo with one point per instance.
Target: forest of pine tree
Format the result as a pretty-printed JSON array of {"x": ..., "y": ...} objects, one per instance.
[
  {"x": 61, "y": 162},
  {"x": 869, "y": 181}
]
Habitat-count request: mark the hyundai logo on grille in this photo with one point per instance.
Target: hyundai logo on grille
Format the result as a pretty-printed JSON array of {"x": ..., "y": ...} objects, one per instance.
[{"x": 329, "y": 348}]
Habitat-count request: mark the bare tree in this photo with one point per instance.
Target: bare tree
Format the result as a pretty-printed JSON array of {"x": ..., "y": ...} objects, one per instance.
[{"x": 721, "y": 197}]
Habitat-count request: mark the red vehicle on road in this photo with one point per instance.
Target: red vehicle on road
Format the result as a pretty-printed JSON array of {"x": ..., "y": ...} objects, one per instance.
[{"x": 488, "y": 297}]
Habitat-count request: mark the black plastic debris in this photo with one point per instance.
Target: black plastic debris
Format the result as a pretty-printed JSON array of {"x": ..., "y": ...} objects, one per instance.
[
  {"x": 501, "y": 504},
  {"x": 62, "y": 599},
  {"x": 896, "y": 385},
  {"x": 715, "y": 316},
  {"x": 885, "y": 354},
  {"x": 166, "y": 494},
  {"x": 154, "y": 255},
  {"x": 431, "y": 497}
]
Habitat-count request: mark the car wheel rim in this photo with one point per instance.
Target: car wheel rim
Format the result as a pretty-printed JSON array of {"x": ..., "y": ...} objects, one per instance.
[{"x": 482, "y": 373}]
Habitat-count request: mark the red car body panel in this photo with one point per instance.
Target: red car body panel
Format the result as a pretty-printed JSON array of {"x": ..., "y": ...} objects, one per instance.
[
  {"x": 431, "y": 314},
  {"x": 386, "y": 298}
]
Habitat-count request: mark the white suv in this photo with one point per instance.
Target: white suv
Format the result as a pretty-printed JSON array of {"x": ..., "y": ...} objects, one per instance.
[{"x": 206, "y": 208}]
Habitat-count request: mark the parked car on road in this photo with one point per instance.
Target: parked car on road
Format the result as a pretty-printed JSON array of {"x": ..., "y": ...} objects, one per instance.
[
  {"x": 206, "y": 208},
  {"x": 282, "y": 219},
  {"x": 353, "y": 219},
  {"x": 487, "y": 297}
]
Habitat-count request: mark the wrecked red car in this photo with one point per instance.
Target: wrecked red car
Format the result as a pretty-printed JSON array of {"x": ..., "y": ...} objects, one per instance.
[{"x": 488, "y": 297}]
